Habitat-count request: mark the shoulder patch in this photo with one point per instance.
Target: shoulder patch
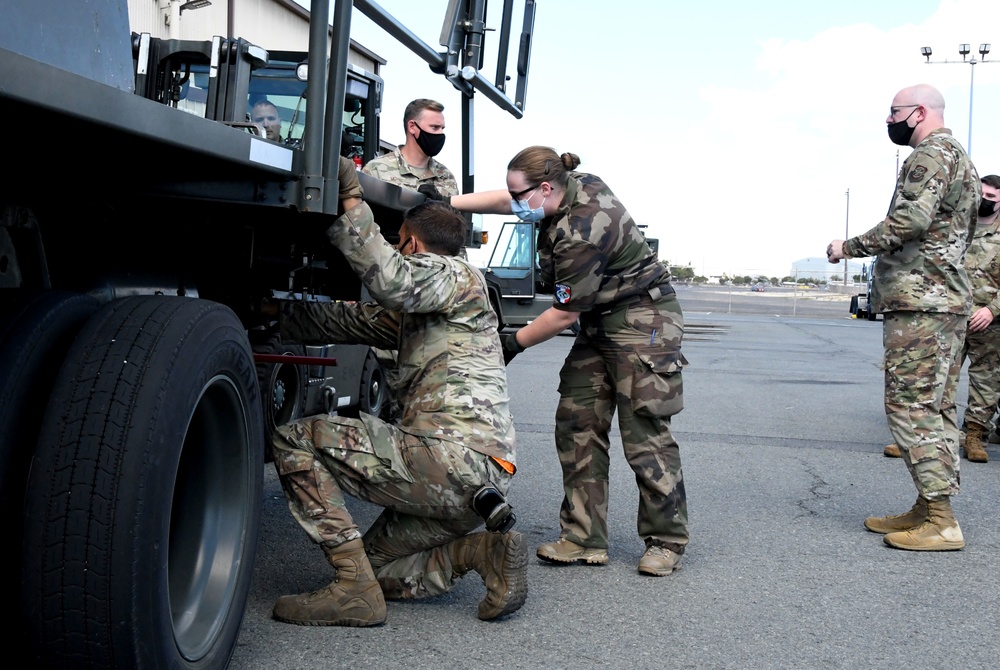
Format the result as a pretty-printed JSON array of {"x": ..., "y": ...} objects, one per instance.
[
  {"x": 917, "y": 173},
  {"x": 562, "y": 294}
]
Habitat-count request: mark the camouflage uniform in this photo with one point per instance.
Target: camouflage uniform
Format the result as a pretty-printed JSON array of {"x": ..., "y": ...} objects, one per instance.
[
  {"x": 394, "y": 169},
  {"x": 983, "y": 348},
  {"x": 627, "y": 356},
  {"x": 922, "y": 287},
  {"x": 435, "y": 311}
]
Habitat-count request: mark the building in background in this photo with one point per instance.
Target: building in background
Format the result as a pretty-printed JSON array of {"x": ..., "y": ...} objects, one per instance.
[
  {"x": 271, "y": 24},
  {"x": 821, "y": 269},
  {"x": 274, "y": 25}
]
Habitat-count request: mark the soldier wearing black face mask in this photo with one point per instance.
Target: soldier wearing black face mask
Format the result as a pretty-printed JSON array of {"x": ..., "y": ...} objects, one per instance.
[
  {"x": 923, "y": 289},
  {"x": 412, "y": 164},
  {"x": 982, "y": 341}
]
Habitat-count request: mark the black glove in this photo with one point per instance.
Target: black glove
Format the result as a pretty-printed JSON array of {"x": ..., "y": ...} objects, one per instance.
[
  {"x": 348, "y": 176},
  {"x": 430, "y": 192},
  {"x": 511, "y": 347}
]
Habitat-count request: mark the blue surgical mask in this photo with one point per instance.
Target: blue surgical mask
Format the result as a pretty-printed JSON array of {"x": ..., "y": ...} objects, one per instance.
[{"x": 522, "y": 210}]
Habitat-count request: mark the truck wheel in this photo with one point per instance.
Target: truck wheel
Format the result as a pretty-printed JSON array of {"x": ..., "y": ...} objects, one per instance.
[
  {"x": 143, "y": 501},
  {"x": 36, "y": 329},
  {"x": 871, "y": 314},
  {"x": 282, "y": 387},
  {"x": 373, "y": 393}
]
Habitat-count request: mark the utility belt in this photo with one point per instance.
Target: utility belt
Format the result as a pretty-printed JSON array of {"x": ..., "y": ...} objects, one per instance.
[{"x": 653, "y": 294}]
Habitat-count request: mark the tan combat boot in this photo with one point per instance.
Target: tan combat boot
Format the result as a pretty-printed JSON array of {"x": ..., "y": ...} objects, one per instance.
[
  {"x": 940, "y": 532},
  {"x": 891, "y": 451},
  {"x": 659, "y": 561},
  {"x": 564, "y": 551},
  {"x": 897, "y": 522},
  {"x": 354, "y": 598},
  {"x": 501, "y": 559},
  {"x": 974, "y": 449}
]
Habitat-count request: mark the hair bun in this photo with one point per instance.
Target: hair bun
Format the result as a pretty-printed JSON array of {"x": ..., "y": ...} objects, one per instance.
[{"x": 570, "y": 161}]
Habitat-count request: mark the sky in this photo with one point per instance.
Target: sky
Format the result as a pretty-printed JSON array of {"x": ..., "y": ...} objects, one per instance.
[{"x": 734, "y": 130}]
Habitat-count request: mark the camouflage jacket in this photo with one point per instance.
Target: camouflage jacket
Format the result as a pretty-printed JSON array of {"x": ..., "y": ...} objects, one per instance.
[
  {"x": 394, "y": 169},
  {"x": 982, "y": 262},
  {"x": 592, "y": 252},
  {"x": 436, "y": 312},
  {"x": 922, "y": 241}
]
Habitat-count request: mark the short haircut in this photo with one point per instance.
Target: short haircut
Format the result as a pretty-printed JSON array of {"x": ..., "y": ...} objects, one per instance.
[
  {"x": 264, "y": 101},
  {"x": 417, "y": 107},
  {"x": 440, "y": 227},
  {"x": 991, "y": 180}
]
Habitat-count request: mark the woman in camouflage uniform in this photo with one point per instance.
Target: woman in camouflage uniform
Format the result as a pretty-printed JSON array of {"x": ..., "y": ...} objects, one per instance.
[{"x": 627, "y": 355}]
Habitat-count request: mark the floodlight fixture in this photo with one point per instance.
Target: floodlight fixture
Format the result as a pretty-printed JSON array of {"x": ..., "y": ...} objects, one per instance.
[
  {"x": 965, "y": 50},
  {"x": 195, "y": 4}
]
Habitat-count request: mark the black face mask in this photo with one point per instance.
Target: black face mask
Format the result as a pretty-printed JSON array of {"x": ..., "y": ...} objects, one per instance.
[
  {"x": 899, "y": 132},
  {"x": 986, "y": 208},
  {"x": 430, "y": 143}
]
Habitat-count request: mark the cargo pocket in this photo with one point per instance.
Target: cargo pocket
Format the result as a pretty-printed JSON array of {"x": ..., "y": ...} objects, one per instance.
[
  {"x": 657, "y": 386},
  {"x": 299, "y": 477},
  {"x": 912, "y": 375}
]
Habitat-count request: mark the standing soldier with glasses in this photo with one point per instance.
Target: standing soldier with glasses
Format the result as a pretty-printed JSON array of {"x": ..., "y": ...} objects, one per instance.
[{"x": 923, "y": 290}]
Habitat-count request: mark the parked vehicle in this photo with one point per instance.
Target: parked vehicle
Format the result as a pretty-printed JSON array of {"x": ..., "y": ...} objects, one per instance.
[
  {"x": 861, "y": 303},
  {"x": 513, "y": 278}
]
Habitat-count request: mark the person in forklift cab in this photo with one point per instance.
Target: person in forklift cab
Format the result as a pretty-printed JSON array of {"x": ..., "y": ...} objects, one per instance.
[{"x": 265, "y": 114}]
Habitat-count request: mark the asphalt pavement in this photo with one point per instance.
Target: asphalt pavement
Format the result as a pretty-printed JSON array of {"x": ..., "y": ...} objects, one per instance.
[{"x": 781, "y": 441}]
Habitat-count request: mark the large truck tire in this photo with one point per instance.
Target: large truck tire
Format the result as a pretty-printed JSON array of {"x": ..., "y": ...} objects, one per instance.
[
  {"x": 36, "y": 329},
  {"x": 143, "y": 501}
]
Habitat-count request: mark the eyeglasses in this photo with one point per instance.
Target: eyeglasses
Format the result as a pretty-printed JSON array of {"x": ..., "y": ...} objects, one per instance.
[
  {"x": 517, "y": 196},
  {"x": 893, "y": 111}
]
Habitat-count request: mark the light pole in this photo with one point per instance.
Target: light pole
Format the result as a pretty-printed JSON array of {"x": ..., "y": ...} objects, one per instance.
[
  {"x": 847, "y": 223},
  {"x": 963, "y": 50}
]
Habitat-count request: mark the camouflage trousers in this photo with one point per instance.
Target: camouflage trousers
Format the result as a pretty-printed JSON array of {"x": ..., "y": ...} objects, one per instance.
[
  {"x": 983, "y": 352},
  {"x": 922, "y": 364},
  {"x": 628, "y": 360},
  {"x": 425, "y": 485}
]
